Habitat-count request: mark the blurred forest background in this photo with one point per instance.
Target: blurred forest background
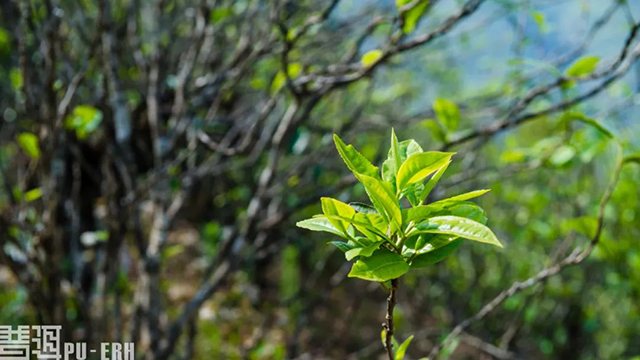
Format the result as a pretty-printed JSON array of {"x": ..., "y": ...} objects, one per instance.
[{"x": 156, "y": 154}]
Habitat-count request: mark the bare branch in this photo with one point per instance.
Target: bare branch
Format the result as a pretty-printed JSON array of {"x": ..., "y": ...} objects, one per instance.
[{"x": 576, "y": 257}]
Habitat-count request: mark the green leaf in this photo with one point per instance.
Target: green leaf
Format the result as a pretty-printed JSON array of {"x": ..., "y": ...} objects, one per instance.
[
  {"x": 363, "y": 208},
  {"x": 220, "y": 13},
  {"x": 404, "y": 149},
  {"x": 562, "y": 155},
  {"x": 448, "y": 113},
  {"x": 586, "y": 225},
  {"x": 5, "y": 41},
  {"x": 461, "y": 227},
  {"x": 412, "y": 16},
  {"x": 334, "y": 207},
  {"x": 467, "y": 210},
  {"x": 420, "y": 213},
  {"x": 381, "y": 266},
  {"x": 432, "y": 182},
  {"x": 583, "y": 66},
  {"x": 371, "y": 57},
  {"x": 465, "y": 196},
  {"x": 436, "y": 255},
  {"x": 362, "y": 251},
  {"x": 412, "y": 193},
  {"x": 371, "y": 225},
  {"x": 402, "y": 349},
  {"x": 408, "y": 148},
  {"x": 344, "y": 246},
  {"x": 33, "y": 194},
  {"x": 84, "y": 120},
  {"x": 381, "y": 194},
  {"x": 389, "y": 171},
  {"x": 540, "y": 20},
  {"x": 293, "y": 70},
  {"x": 463, "y": 209},
  {"x": 633, "y": 158},
  {"x": 436, "y": 129},
  {"x": 172, "y": 250},
  {"x": 15, "y": 77},
  {"x": 372, "y": 222},
  {"x": 320, "y": 223},
  {"x": 394, "y": 152},
  {"x": 419, "y": 166},
  {"x": 29, "y": 144},
  {"x": 578, "y": 116},
  {"x": 357, "y": 163}
]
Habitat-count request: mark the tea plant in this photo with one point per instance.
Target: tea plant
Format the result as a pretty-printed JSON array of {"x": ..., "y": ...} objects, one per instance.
[{"x": 399, "y": 231}]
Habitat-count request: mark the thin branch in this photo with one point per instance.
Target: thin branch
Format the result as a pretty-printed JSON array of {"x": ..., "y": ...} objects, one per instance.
[
  {"x": 500, "y": 125},
  {"x": 388, "y": 326},
  {"x": 576, "y": 257}
]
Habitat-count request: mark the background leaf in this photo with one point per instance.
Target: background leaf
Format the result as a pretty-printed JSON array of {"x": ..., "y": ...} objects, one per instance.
[
  {"x": 448, "y": 113},
  {"x": 29, "y": 144},
  {"x": 583, "y": 66},
  {"x": 371, "y": 57}
]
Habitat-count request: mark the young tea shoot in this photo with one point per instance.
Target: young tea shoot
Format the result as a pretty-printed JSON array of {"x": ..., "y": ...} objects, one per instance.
[{"x": 386, "y": 239}]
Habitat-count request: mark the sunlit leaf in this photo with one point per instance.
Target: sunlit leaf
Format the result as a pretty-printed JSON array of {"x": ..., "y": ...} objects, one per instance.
[
  {"x": 465, "y": 196},
  {"x": 412, "y": 16},
  {"x": 381, "y": 266},
  {"x": 394, "y": 152},
  {"x": 461, "y": 227},
  {"x": 541, "y": 21},
  {"x": 381, "y": 194},
  {"x": 421, "y": 212},
  {"x": 293, "y": 71},
  {"x": 29, "y": 144},
  {"x": 319, "y": 223},
  {"x": 371, "y": 57},
  {"x": 357, "y": 163},
  {"x": 334, "y": 207},
  {"x": 402, "y": 349},
  {"x": 84, "y": 120},
  {"x": 404, "y": 149},
  {"x": 583, "y": 66},
  {"x": 33, "y": 194},
  {"x": 419, "y": 166},
  {"x": 372, "y": 225},
  {"x": 432, "y": 182}
]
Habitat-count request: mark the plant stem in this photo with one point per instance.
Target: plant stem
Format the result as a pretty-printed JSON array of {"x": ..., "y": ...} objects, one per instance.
[{"x": 391, "y": 303}]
